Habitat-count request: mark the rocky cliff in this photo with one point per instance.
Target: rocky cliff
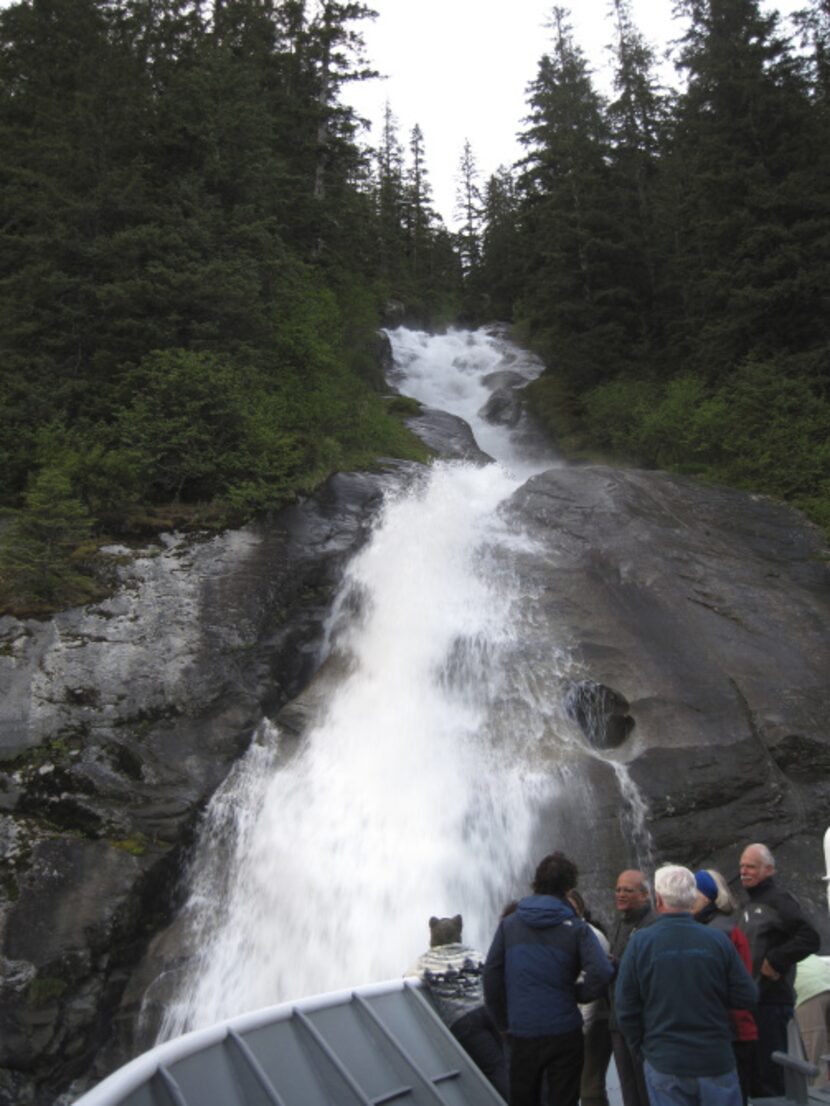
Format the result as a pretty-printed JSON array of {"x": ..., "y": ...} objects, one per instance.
[
  {"x": 117, "y": 722},
  {"x": 696, "y": 628},
  {"x": 697, "y": 625}
]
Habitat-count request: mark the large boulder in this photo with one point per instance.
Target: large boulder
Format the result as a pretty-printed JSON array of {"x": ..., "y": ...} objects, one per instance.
[
  {"x": 448, "y": 435},
  {"x": 504, "y": 407},
  {"x": 504, "y": 378}
]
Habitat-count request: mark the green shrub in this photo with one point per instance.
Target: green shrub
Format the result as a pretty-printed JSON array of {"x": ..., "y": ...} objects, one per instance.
[
  {"x": 45, "y": 553},
  {"x": 759, "y": 429}
]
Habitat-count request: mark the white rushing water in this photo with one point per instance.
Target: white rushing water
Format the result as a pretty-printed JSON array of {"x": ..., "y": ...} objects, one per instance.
[{"x": 404, "y": 800}]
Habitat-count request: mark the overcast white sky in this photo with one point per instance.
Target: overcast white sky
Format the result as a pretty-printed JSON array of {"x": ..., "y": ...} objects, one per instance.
[{"x": 459, "y": 68}]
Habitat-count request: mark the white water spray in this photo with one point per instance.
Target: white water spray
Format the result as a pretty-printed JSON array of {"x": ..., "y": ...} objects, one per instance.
[
  {"x": 449, "y": 371},
  {"x": 417, "y": 791}
]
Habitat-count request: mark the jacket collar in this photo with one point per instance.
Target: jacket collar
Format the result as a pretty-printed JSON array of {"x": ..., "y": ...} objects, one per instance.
[
  {"x": 632, "y": 917},
  {"x": 753, "y": 892}
]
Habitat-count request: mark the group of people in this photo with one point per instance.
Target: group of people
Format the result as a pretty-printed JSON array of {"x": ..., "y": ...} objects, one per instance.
[{"x": 690, "y": 992}]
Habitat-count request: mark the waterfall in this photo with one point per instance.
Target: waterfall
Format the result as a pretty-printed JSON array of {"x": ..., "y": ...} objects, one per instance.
[{"x": 418, "y": 789}]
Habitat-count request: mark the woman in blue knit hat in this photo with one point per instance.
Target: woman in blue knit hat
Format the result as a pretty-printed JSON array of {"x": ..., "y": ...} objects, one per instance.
[{"x": 715, "y": 906}]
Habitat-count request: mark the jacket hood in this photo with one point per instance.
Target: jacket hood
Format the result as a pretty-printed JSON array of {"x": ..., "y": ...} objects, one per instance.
[{"x": 543, "y": 911}]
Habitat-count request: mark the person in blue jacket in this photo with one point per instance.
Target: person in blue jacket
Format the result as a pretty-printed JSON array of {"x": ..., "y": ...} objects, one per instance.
[
  {"x": 543, "y": 962},
  {"x": 676, "y": 984}
]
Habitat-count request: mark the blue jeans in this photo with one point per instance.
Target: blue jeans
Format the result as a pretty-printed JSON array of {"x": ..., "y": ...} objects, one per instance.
[{"x": 692, "y": 1090}]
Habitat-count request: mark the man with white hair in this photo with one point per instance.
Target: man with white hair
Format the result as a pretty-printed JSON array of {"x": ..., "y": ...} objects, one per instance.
[
  {"x": 779, "y": 937},
  {"x": 677, "y": 982}
]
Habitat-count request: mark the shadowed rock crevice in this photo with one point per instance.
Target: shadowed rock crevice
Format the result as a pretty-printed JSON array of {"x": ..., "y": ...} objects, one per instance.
[{"x": 600, "y": 712}]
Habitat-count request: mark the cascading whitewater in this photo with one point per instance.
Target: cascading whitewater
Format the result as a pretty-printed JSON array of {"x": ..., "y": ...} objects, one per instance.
[
  {"x": 403, "y": 801},
  {"x": 450, "y": 372}
]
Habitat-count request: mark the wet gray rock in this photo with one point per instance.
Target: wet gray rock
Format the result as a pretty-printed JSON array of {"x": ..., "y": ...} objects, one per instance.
[
  {"x": 504, "y": 407},
  {"x": 504, "y": 378},
  {"x": 449, "y": 435},
  {"x": 707, "y": 611},
  {"x": 117, "y": 722},
  {"x": 600, "y": 712}
]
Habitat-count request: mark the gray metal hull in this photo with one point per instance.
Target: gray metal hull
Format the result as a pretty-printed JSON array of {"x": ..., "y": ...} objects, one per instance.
[{"x": 378, "y": 1044}]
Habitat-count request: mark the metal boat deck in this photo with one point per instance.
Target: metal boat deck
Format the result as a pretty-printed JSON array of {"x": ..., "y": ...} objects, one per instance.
[{"x": 378, "y": 1044}]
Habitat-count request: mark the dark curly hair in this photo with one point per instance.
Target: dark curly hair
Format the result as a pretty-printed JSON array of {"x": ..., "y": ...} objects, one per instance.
[{"x": 555, "y": 875}]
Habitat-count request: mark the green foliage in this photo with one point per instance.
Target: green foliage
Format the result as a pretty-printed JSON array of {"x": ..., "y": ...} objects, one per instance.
[
  {"x": 45, "y": 551},
  {"x": 44, "y": 989},
  {"x": 186, "y": 421},
  {"x": 675, "y": 274},
  {"x": 134, "y": 846},
  {"x": 404, "y": 406},
  {"x": 417, "y": 259},
  {"x": 759, "y": 429},
  {"x": 195, "y": 262}
]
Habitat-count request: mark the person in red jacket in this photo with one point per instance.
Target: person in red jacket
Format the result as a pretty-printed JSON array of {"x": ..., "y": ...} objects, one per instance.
[{"x": 715, "y": 906}]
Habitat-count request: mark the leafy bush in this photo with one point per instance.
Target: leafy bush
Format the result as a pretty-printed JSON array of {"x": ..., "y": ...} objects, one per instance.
[{"x": 759, "y": 429}]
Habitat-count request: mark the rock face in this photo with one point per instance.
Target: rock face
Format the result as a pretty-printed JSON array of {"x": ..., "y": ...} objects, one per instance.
[
  {"x": 600, "y": 712},
  {"x": 117, "y": 722},
  {"x": 695, "y": 627},
  {"x": 450, "y": 436},
  {"x": 708, "y": 612},
  {"x": 504, "y": 407}
]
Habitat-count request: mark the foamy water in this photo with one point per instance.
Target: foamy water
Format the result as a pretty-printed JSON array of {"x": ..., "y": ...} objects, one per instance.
[{"x": 417, "y": 790}]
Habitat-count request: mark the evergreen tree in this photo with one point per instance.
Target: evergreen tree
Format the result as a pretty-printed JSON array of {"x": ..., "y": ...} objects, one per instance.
[
  {"x": 814, "y": 24},
  {"x": 42, "y": 562},
  {"x": 749, "y": 206},
  {"x": 391, "y": 202},
  {"x": 337, "y": 51},
  {"x": 418, "y": 196},
  {"x": 571, "y": 290},
  {"x": 501, "y": 266},
  {"x": 637, "y": 119},
  {"x": 188, "y": 291},
  {"x": 469, "y": 210}
]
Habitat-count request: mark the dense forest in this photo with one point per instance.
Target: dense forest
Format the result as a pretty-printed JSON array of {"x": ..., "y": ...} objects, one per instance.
[
  {"x": 196, "y": 258},
  {"x": 668, "y": 254},
  {"x": 198, "y": 250}
]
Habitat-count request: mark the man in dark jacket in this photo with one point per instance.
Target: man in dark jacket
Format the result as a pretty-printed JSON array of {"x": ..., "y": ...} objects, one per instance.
[
  {"x": 634, "y": 911},
  {"x": 539, "y": 952},
  {"x": 676, "y": 985},
  {"x": 779, "y": 937}
]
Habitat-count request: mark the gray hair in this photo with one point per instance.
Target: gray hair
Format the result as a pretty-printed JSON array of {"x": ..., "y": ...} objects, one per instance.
[
  {"x": 676, "y": 886},
  {"x": 725, "y": 902},
  {"x": 766, "y": 856}
]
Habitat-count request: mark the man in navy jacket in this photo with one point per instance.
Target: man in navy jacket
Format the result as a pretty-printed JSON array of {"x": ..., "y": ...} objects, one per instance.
[
  {"x": 543, "y": 961},
  {"x": 677, "y": 982}
]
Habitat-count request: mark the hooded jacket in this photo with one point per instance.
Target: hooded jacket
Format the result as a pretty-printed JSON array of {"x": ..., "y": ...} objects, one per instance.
[{"x": 531, "y": 971}]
